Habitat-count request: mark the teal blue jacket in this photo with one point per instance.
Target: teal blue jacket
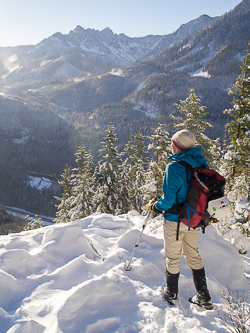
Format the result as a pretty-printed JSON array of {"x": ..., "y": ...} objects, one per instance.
[{"x": 175, "y": 183}]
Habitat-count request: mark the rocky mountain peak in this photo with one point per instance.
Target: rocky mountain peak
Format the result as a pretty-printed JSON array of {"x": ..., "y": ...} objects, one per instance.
[{"x": 107, "y": 31}]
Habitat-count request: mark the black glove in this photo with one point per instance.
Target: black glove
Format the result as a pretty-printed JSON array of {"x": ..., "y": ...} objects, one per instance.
[{"x": 155, "y": 210}]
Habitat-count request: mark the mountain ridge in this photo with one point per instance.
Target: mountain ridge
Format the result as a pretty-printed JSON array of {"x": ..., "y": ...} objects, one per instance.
[
  {"x": 57, "y": 93},
  {"x": 88, "y": 51}
]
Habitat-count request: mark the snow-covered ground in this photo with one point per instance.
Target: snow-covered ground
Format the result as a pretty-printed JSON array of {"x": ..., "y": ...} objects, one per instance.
[
  {"x": 40, "y": 182},
  {"x": 70, "y": 278},
  {"x": 202, "y": 74}
]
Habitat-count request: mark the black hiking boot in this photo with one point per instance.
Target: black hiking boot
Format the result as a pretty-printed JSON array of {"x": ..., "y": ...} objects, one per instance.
[
  {"x": 170, "y": 297},
  {"x": 171, "y": 291},
  {"x": 202, "y": 298},
  {"x": 203, "y": 302}
]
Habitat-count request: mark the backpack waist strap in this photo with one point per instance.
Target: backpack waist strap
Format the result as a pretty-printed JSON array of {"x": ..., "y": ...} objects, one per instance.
[{"x": 175, "y": 209}]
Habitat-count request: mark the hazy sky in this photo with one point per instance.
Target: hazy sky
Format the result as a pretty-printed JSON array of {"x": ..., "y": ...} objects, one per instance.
[{"x": 24, "y": 22}]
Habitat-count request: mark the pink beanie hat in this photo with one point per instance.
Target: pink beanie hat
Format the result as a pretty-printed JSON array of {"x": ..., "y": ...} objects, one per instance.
[{"x": 183, "y": 139}]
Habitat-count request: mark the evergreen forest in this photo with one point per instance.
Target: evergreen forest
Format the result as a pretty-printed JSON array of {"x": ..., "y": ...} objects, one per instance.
[{"x": 127, "y": 179}]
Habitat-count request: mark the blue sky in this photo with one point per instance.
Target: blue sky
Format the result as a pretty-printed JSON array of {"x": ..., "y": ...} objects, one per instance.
[{"x": 24, "y": 22}]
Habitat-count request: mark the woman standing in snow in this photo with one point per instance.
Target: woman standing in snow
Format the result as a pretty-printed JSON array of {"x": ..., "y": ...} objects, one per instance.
[{"x": 175, "y": 189}]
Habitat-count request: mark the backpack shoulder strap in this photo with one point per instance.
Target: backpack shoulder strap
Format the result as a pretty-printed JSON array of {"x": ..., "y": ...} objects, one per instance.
[
  {"x": 187, "y": 165},
  {"x": 188, "y": 168}
]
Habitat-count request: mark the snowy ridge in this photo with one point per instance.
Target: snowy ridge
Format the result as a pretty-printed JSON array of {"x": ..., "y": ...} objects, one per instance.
[
  {"x": 70, "y": 278},
  {"x": 81, "y": 53}
]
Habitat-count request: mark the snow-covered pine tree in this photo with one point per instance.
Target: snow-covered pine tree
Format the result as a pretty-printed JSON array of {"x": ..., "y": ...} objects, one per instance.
[
  {"x": 139, "y": 156},
  {"x": 126, "y": 181},
  {"x": 160, "y": 146},
  {"x": 63, "y": 208},
  {"x": 124, "y": 204},
  {"x": 107, "y": 174},
  {"x": 192, "y": 120},
  {"x": 32, "y": 223},
  {"x": 138, "y": 174},
  {"x": 99, "y": 183},
  {"x": 129, "y": 152},
  {"x": 236, "y": 166},
  {"x": 82, "y": 192}
]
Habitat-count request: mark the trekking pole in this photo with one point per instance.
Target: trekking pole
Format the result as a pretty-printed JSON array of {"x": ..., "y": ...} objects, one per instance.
[{"x": 128, "y": 266}]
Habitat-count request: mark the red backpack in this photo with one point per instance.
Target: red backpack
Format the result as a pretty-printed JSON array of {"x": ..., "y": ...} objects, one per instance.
[{"x": 205, "y": 185}]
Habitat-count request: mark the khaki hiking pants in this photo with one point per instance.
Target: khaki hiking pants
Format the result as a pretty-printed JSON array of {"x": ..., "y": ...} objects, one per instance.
[{"x": 186, "y": 244}]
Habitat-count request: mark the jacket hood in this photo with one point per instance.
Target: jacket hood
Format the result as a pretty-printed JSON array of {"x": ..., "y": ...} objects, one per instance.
[{"x": 192, "y": 156}]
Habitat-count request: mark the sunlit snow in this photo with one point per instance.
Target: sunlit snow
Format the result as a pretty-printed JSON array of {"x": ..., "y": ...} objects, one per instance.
[{"x": 70, "y": 278}]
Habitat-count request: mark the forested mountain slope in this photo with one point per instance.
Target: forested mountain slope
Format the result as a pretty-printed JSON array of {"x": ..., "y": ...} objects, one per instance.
[{"x": 68, "y": 87}]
